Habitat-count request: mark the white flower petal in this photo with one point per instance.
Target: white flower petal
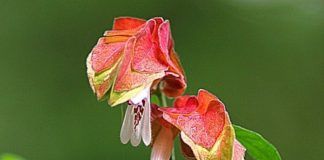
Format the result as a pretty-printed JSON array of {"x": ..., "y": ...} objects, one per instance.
[
  {"x": 127, "y": 126},
  {"x": 136, "y": 136},
  {"x": 140, "y": 96},
  {"x": 146, "y": 131}
]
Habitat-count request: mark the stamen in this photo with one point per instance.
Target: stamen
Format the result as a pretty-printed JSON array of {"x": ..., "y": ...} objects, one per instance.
[{"x": 129, "y": 103}]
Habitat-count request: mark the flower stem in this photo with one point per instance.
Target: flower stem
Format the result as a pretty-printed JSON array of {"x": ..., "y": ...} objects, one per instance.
[
  {"x": 173, "y": 154},
  {"x": 122, "y": 113}
]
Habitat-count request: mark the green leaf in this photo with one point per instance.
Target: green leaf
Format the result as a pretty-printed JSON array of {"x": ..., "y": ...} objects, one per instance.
[
  {"x": 257, "y": 146},
  {"x": 8, "y": 156}
]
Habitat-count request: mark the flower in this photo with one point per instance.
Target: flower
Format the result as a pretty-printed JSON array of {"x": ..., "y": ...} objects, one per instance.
[
  {"x": 129, "y": 61},
  {"x": 163, "y": 133},
  {"x": 205, "y": 128}
]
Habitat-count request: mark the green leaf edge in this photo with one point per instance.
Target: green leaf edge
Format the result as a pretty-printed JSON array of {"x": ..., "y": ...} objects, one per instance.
[
  {"x": 10, "y": 156},
  {"x": 261, "y": 139}
]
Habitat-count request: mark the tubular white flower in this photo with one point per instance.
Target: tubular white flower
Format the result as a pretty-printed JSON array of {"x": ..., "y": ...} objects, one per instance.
[{"x": 137, "y": 121}]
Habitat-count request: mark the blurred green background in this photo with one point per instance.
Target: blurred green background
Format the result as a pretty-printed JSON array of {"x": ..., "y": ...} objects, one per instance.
[{"x": 264, "y": 59}]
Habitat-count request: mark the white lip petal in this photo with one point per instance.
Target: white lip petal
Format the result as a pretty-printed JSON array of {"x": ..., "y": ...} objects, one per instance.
[
  {"x": 136, "y": 135},
  {"x": 140, "y": 96},
  {"x": 137, "y": 122},
  {"x": 146, "y": 131},
  {"x": 127, "y": 126}
]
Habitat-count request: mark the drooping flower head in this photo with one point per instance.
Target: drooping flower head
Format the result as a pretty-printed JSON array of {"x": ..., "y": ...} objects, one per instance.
[
  {"x": 206, "y": 130},
  {"x": 127, "y": 62}
]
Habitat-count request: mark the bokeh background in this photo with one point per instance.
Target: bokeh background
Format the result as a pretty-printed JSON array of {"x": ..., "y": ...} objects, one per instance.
[{"x": 264, "y": 59}]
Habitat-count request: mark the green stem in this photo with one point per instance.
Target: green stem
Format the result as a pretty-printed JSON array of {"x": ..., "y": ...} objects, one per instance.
[
  {"x": 122, "y": 113},
  {"x": 163, "y": 100},
  {"x": 165, "y": 104},
  {"x": 173, "y": 154}
]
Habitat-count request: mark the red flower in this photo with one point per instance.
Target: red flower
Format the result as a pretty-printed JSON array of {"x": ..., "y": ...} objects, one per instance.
[
  {"x": 130, "y": 60},
  {"x": 206, "y": 131}
]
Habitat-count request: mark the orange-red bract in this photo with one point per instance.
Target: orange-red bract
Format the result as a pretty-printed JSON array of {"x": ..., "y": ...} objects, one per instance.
[
  {"x": 134, "y": 55},
  {"x": 206, "y": 130}
]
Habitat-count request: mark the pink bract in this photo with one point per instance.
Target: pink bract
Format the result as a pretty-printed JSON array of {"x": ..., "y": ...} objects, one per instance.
[
  {"x": 135, "y": 53},
  {"x": 205, "y": 127}
]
